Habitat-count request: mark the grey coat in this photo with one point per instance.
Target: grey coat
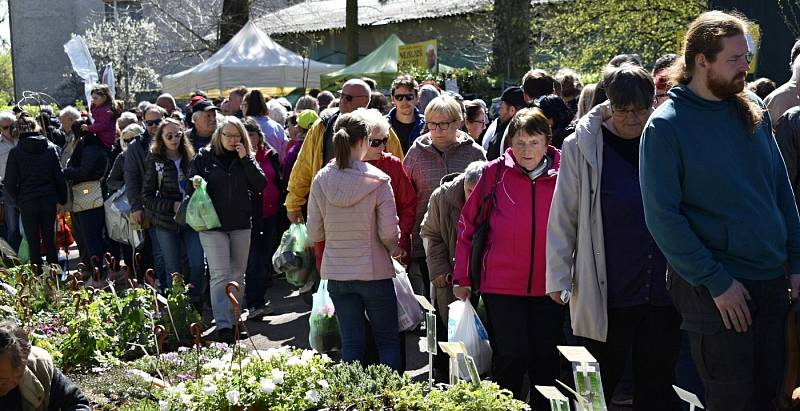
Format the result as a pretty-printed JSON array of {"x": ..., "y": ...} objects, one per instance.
[{"x": 575, "y": 245}]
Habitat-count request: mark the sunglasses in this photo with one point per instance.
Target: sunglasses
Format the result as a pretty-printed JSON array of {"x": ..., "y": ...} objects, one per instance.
[
  {"x": 349, "y": 98},
  {"x": 375, "y": 143},
  {"x": 173, "y": 136},
  {"x": 406, "y": 97},
  {"x": 152, "y": 123}
]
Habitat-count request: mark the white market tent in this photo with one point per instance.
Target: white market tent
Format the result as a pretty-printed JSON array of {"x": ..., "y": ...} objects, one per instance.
[{"x": 250, "y": 58}]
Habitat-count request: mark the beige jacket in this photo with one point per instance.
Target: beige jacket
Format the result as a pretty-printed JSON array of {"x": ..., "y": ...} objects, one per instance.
[
  {"x": 780, "y": 100},
  {"x": 575, "y": 245},
  {"x": 353, "y": 211}
]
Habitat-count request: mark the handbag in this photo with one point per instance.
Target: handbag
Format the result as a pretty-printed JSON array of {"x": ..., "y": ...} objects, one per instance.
[
  {"x": 87, "y": 196},
  {"x": 481, "y": 234}
]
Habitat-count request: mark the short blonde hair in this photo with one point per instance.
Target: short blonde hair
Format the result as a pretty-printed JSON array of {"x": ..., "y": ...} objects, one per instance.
[
  {"x": 375, "y": 120},
  {"x": 216, "y": 138},
  {"x": 445, "y": 105}
]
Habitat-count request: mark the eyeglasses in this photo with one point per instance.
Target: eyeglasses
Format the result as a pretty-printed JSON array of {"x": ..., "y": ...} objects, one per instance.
[
  {"x": 349, "y": 98},
  {"x": 231, "y": 136},
  {"x": 152, "y": 123},
  {"x": 173, "y": 136},
  {"x": 444, "y": 125},
  {"x": 476, "y": 121},
  {"x": 638, "y": 113},
  {"x": 406, "y": 97},
  {"x": 377, "y": 142}
]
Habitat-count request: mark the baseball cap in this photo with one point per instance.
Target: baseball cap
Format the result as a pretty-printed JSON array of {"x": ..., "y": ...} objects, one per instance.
[
  {"x": 513, "y": 96},
  {"x": 203, "y": 105},
  {"x": 307, "y": 118}
]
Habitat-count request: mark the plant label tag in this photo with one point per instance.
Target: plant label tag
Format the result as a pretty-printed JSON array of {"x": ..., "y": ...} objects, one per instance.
[
  {"x": 473, "y": 371},
  {"x": 162, "y": 299},
  {"x": 577, "y": 353},
  {"x": 424, "y": 303},
  {"x": 689, "y": 397},
  {"x": 551, "y": 393},
  {"x": 430, "y": 326}
]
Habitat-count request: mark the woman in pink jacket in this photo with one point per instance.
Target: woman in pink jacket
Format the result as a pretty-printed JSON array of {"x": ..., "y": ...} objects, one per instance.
[
  {"x": 104, "y": 116},
  {"x": 526, "y": 324},
  {"x": 351, "y": 207}
]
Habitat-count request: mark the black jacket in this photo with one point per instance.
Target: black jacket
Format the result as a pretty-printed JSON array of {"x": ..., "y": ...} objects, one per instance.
[
  {"x": 159, "y": 197},
  {"x": 64, "y": 396},
  {"x": 135, "y": 155},
  {"x": 33, "y": 173},
  {"x": 231, "y": 187},
  {"x": 89, "y": 161}
]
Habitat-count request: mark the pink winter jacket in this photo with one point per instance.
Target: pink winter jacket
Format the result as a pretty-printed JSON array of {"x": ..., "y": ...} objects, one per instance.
[
  {"x": 104, "y": 125},
  {"x": 514, "y": 257},
  {"x": 353, "y": 212}
]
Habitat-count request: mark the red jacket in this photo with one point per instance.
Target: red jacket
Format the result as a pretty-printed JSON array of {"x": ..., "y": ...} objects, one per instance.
[
  {"x": 514, "y": 258},
  {"x": 271, "y": 195},
  {"x": 405, "y": 197}
]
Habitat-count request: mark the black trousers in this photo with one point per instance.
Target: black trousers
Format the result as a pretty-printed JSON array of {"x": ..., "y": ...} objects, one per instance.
[
  {"x": 652, "y": 335},
  {"x": 740, "y": 371},
  {"x": 525, "y": 332},
  {"x": 38, "y": 221}
]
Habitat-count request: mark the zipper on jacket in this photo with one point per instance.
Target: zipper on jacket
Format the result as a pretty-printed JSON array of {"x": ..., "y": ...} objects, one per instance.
[{"x": 533, "y": 233}]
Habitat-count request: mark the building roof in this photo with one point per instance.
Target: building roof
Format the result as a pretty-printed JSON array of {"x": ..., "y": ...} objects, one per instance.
[{"x": 318, "y": 15}]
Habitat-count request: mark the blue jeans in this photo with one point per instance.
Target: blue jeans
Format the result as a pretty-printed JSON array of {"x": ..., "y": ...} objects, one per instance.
[
  {"x": 159, "y": 266},
  {"x": 259, "y": 262},
  {"x": 351, "y": 299},
  {"x": 13, "y": 235},
  {"x": 174, "y": 245}
]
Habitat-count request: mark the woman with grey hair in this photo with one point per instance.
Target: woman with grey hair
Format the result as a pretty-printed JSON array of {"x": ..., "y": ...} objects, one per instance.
[
  {"x": 438, "y": 230},
  {"x": 597, "y": 240},
  {"x": 426, "y": 94},
  {"x": 28, "y": 378},
  {"x": 306, "y": 103}
]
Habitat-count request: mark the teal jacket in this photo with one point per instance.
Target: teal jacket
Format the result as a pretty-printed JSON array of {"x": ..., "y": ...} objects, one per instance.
[{"x": 717, "y": 201}]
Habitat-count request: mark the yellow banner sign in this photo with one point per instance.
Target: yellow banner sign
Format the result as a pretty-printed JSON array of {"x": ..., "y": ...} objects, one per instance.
[{"x": 422, "y": 55}]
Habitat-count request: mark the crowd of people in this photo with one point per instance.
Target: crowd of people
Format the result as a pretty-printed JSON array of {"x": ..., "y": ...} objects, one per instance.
[{"x": 650, "y": 216}]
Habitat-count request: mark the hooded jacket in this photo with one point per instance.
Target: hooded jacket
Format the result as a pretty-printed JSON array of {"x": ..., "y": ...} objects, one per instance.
[
  {"x": 717, "y": 201},
  {"x": 230, "y": 188},
  {"x": 426, "y": 167},
  {"x": 353, "y": 212},
  {"x": 310, "y": 160},
  {"x": 438, "y": 229},
  {"x": 514, "y": 258},
  {"x": 104, "y": 125},
  {"x": 33, "y": 173},
  {"x": 44, "y": 388}
]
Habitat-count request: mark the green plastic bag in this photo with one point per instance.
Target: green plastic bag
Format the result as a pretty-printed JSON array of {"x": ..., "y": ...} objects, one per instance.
[
  {"x": 294, "y": 257},
  {"x": 200, "y": 213},
  {"x": 24, "y": 253},
  {"x": 323, "y": 335}
]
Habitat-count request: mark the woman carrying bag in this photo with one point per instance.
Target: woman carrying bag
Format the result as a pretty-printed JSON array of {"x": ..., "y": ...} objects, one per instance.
[
  {"x": 85, "y": 169},
  {"x": 163, "y": 188},
  {"x": 229, "y": 167}
]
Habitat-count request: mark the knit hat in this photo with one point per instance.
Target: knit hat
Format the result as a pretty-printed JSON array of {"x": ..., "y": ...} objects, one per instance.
[
  {"x": 131, "y": 131},
  {"x": 306, "y": 119}
]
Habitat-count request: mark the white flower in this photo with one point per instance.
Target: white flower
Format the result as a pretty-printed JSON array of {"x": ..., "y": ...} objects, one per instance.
[
  {"x": 308, "y": 355},
  {"x": 163, "y": 405},
  {"x": 232, "y": 396},
  {"x": 293, "y": 361},
  {"x": 209, "y": 390},
  {"x": 267, "y": 386},
  {"x": 277, "y": 376},
  {"x": 312, "y": 396},
  {"x": 324, "y": 384}
]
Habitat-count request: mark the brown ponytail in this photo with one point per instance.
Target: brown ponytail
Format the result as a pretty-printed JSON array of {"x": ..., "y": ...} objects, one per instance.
[{"x": 350, "y": 128}]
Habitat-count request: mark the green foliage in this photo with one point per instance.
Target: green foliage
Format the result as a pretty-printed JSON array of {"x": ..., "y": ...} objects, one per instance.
[
  {"x": 476, "y": 83},
  {"x": 585, "y": 34},
  {"x": 6, "y": 76}
]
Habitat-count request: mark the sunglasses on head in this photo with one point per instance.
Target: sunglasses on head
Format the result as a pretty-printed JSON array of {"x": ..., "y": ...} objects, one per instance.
[
  {"x": 152, "y": 123},
  {"x": 377, "y": 142},
  {"x": 406, "y": 97}
]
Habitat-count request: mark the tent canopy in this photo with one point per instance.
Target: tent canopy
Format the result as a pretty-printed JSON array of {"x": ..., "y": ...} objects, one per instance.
[
  {"x": 250, "y": 58},
  {"x": 380, "y": 65}
]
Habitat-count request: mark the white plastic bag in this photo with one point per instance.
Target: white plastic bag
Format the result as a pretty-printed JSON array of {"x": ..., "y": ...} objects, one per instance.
[
  {"x": 409, "y": 313},
  {"x": 464, "y": 325},
  {"x": 323, "y": 334},
  {"x": 118, "y": 227}
]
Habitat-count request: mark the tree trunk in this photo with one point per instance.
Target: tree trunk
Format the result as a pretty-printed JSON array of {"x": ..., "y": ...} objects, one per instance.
[
  {"x": 235, "y": 14},
  {"x": 351, "y": 31},
  {"x": 511, "y": 46}
]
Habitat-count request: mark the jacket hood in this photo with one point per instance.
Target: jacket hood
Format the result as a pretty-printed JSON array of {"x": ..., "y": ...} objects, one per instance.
[
  {"x": 33, "y": 144},
  {"x": 344, "y": 188},
  {"x": 553, "y": 153},
  {"x": 425, "y": 142},
  {"x": 452, "y": 187},
  {"x": 682, "y": 94}
]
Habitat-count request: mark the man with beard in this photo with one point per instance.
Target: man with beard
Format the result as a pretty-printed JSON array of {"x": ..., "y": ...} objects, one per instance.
[{"x": 718, "y": 202}]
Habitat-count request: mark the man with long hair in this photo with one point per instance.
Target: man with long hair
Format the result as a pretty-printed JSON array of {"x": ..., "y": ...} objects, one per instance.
[{"x": 718, "y": 202}]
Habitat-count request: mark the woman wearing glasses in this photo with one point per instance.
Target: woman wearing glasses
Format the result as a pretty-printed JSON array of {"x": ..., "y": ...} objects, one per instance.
[
  {"x": 476, "y": 119},
  {"x": 229, "y": 167},
  {"x": 163, "y": 188},
  {"x": 444, "y": 150},
  {"x": 598, "y": 243}
]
